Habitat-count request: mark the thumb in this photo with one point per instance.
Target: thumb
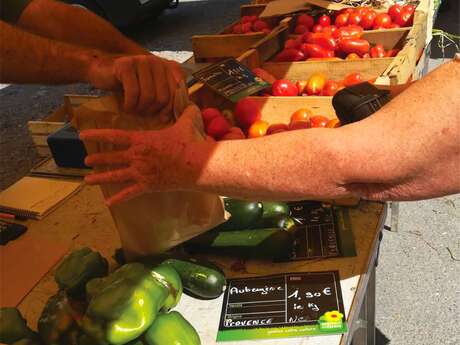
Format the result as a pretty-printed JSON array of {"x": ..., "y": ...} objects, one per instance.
[{"x": 191, "y": 122}]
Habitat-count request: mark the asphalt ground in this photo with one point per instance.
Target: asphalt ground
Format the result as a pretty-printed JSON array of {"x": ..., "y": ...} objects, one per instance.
[{"x": 418, "y": 285}]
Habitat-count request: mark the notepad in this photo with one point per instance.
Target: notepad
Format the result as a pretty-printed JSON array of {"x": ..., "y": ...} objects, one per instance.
[{"x": 35, "y": 197}]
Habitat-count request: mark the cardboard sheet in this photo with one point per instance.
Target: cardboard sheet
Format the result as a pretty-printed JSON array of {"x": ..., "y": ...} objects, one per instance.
[{"x": 23, "y": 262}]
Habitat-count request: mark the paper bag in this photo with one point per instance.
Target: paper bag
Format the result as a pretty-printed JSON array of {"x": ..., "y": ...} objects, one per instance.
[{"x": 155, "y": 222}]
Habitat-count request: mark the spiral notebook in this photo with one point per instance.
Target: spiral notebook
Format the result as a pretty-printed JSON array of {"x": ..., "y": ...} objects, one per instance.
[{"x": 35, "y": 197}]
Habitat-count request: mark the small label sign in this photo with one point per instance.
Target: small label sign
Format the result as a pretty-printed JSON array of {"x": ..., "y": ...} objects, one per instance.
[
  {"x": 231, "y": 79},
  {"x": 278, "y": 306}
]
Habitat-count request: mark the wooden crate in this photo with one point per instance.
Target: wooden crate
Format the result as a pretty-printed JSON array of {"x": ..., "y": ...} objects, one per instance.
[
  {"x": 227, "y": 44},
  {"x": 39, "y": 130}
]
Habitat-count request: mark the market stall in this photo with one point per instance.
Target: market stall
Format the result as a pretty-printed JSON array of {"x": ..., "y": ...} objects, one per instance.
[{"x": 310, "y": 280}]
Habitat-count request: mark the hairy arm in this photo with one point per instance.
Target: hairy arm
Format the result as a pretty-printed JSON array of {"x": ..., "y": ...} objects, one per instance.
[
  {"x": 28, "y": 58},
  {"x": 62, "y": 22},
  {"x": 408, "y": 150}
]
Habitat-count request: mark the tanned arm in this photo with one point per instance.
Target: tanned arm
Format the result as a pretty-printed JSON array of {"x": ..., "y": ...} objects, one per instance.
[
  {"x": 408, "y": 150},
  {"x": 28, "y": 58},
  {"x": 75, "y": 25}
]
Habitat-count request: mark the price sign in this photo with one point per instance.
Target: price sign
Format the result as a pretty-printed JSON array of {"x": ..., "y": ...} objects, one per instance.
[
  {"x": 292, "y": 304},
  {"x": 231, "y": 79}
]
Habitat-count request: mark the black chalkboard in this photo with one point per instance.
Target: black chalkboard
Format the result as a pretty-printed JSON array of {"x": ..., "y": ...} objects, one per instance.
[
  {"x": 231, "y": 79},
  {"x": 275, "y": 301},
  {"x": 317, "y": 234}
]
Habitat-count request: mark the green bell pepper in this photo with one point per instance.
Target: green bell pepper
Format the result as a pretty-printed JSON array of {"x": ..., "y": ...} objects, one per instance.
[
  {"x": 171, "y": 329},
  {"x": 77, "y": 269},
  {"x": 13, "y": 326},
  {"x": 57, "y": 325},
  {"x": 124, "y": 304}
]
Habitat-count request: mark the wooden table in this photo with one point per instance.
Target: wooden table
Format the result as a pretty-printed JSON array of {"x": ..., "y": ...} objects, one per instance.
[{"x": 83, "y": 220}]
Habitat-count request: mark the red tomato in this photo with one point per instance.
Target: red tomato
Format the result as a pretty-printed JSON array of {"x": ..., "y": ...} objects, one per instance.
[
  {"x": 334, "y": 123},
  {"x": 405, "y": 18},
  {"x": 287, "y": 55},
  {"x": 217, "y": 127},
  {"x": 292, "y": 44},
  {"x": 277, "y": 128},
  {"x": 300, "y": 29},
  {"x": 330, "y": 88},
  {"x": 329, "y": 30},
  {"x": 361, "y": 10},
  {"x": 245, "y": 19},
  {"x": 238, "y": 29},
  {"x": 306, "y": 20},
  {"x": 208, "y": 114},
  {"x": 354, "y": 45},
  {"x": 234, "y": 133},
  {"x": 342, "y": 19},
  {"x": 324, "y": 20},
  {"x": 284, "y": 87},
  {"x": 394, "y": 11},
  {"x": 301, "y": 115},
  {"x": 366, "y": 56},
  {"x": 383, "y": 19},
  {"x": 355, "y": 19},
  {"x": 247, "y": 111},
  {"x": 299, "y": 125},
  {"x": 352, "y": 79},
  {"x": 352, "y": 56},
  {"x": 378, "y": 51},
  {"x": 409, "y": 8},
  {"x": 258, "y": 129},
  {"x": 317, "y": 28},
  {"x": 266, "y": 31},
  {"x": 394, "y": 26},
  {"x": 246, "y": 27},
  {"x": 315, "y": 51},
  {"x": 301, "y": 85},
  {"x": 259, "y": 25},
  {"x": 320, "y": 38},
  {"x": 316, "y": 83},
  {"x": 253, "y": 18},
  {"x": 318, "y": 121},
  {"x": 367, "y": 21},
  {"x": 353, "y": 31}
]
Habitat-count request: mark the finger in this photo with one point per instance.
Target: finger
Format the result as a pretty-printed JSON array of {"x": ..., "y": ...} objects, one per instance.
[
  {"x": 127, "y": 75},
  {"x": 113, "y": 136},
  {"x": 178, "y": 72},
  {"x": 114, "y": 176},
  {"x": 111, "y": 158},
  {"x": 126, "y": 194},
  {"x": 161, "y": 84},
  {"x": 146, "y": 83}
]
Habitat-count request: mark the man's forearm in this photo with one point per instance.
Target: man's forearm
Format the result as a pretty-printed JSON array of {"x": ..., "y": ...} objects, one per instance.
[
  {"x": 408, "y": 150},
  {"x": 27, "y": 58},
  {"x": 77, "y": 26}
]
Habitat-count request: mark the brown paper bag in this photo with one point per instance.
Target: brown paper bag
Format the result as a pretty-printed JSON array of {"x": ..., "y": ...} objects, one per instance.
[{"x": 151, "y": 223}]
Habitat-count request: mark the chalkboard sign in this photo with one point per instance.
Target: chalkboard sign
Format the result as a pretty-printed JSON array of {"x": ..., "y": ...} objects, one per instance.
[
  {"x": 287, "y": 305},
  {"x": 231, "y": 79},
  {"x": 318, "y": 233}
]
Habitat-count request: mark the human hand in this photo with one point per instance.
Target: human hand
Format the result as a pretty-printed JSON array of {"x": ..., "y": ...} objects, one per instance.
[
  {"x": 156, "y": 160},
  {"x": 148, "y": 82}
]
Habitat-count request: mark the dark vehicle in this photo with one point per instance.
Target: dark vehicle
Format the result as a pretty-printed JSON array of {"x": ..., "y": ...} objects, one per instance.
[{"x": 124, "y": 13}]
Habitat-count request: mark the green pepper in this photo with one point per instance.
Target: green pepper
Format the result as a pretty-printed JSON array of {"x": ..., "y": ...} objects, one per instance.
[
  {"x": 171, "y": 329},
  {"x": 57, "y": 324},
  {"x": 77, "y": 269},
  {"x": 124, "y": 304},
  {"x": 13, "y": 326}
]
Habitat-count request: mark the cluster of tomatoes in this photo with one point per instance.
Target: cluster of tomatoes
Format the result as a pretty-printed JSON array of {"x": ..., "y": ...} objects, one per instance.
[
  {"x": 316, "y": 85},
  {"x": 250, "y": 24},
  {"x": 333, "y": 44},
  {"x": 365, "y": 17},
  {"x": 247, "y": 114}
]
